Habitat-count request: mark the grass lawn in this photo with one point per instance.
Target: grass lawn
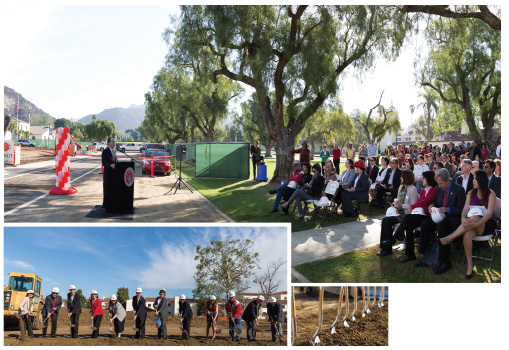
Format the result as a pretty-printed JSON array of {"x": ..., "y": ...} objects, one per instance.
[
  {"x": 249, "y": 200},
  {"x": 364, "y": 265}
]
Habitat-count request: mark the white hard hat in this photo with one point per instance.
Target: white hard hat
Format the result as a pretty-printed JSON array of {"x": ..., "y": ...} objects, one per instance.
[
  {"x": 261, "y": 297},
  {"x": 138, "y": 290},
  {"x": 436, "y": 216},
  {"x": 162, "y": 290},
  {"x": 475, "y": 211},
  {"x": 392, "y": 211},
  {"x": 231, "y": 294},
  {"x": 389, "y": 144},
  {"x": 30, "y": 291},
  {"x": 94, "y": 292},
  {"x": 418, "y": 211},
  {"x": 272, "y": 299},
  {"x": 372, "y": 187},
  {"x": 183, "y": 297},
  {"x": 113, "y": 297},
  {"x": 213, "y": 297},
  {"x": 55, "y": 290},
  {"x": 292, "y": 184},
  {"x": 323, "y": 201},
  {"x": 72, "y": 286}
]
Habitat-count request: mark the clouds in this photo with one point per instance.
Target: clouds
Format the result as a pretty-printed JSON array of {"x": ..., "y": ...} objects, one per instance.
[{"x": 18, "y": 264}]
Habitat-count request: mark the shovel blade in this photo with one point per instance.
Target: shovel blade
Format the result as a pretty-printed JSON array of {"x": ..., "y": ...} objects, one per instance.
[
  {"x": 333, "y": 331},
  {"x": 218, "y": 330},
  {"x": 346, "y": 324},
  {"x": 368, "y": 311},
  {"x": 315, "y": 341},
  {"x": 363, "y": 314},
  {"x": 353, "y": 318}
]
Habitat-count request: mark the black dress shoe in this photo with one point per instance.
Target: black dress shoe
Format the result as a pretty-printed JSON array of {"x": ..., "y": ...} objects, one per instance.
[
  {"x": 407, "y": 258},
  {"x": 469, "y": 277},
  {"x": 419, "y": 264},
  {"x": 272, "y": 191},
  {"x": 384, "y": 252},
  {"x": 442, "y": 268},
  {"x": 274, "y": 210}
]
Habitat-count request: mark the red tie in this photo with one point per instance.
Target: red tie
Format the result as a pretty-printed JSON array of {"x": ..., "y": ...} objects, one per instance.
[
  {"x": 370, "y": 172},
  {"x": 54, "y": 302},
  {"x": 445, "y": 198}
]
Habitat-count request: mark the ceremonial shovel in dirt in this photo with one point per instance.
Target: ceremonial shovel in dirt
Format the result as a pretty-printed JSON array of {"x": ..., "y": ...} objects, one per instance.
[
  {"x": 355, "y": 296},
  {"x": 381, "y": 299},
  {"x": 315, "y": 339},
  {"x": 338, "y": 314},
  {"x": 347, "y": 300},
  {"x": 44, "y": 324},
  {"x": 134, "y": 325},
  {"x": 70, "y": 324},
  {"x": 363, "y": 302},
  {"x": 374, "y": 297},
  {"x": 294, "y": 316},
  {"x": 215, "y": 326},
  {"x": 93, "y": 328},
  {"x": 366, "y": 305}
]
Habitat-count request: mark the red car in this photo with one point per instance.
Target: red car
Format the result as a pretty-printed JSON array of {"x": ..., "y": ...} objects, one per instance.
[{"x": 161, "y": 165}]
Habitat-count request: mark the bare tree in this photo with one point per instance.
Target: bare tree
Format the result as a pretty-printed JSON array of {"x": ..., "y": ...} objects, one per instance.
[{"x": 267, "y": 283}]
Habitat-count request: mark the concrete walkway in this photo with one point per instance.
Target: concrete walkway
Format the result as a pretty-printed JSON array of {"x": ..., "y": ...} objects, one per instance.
[{"x": 331, "y": 241}]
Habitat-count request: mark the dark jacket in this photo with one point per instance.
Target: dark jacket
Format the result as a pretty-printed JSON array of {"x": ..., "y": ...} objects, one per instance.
[
  {"x": 275, "y": 312},
  {"x": 470, "y": 183},
  {"x": 107, "y": 158},
  {"x": 317, "y": 186},
  {"x": 185, "y": 310},
  {"x": 374, "y": 173},
  {"x": 496, "y": 185},
  {"x": 251, "y": 312},
  {"x": 306, "y": 178},
  {"x": 256, "y": 153},
  {"x": 74, "y": 307},
  {"x": 455, "y": 199},
  {"x": 396, "y": 180},
  {"x": 362, "y": 187},
  {"x": 162, "y": 308},
  {"x": 473, "y": 151},
  {"x": 48, "y": 304},
  {"x": 140, "y": 307}
]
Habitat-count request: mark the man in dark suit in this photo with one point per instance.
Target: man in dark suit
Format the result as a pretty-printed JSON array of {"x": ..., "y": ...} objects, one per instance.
[
  {"x": 276, "y": 317},
  {"x": 250, "y": 316},
  {"x": 359, "y": 191},
  {"x": 52, "y": 305},
  {"x": 445, "y": 160},
  {"x": 140, "y": 314},
  {"x": 161, "y": 306},
  {"x": 466, "y": 180},
  {"x": 450, "y": 201},
  {"x": 74, "y": 310},
  {"x": 109, "y": 160},
  {"x": 372, "y": 170},
  {"x": 186, "y": 315},
  {"x": 474, "y": 151},
  {"x": 391, "y": 182},
  {"x": 494, "y": 181}
]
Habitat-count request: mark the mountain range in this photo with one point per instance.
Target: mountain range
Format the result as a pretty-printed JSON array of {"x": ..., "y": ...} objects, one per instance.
[{"x": 10, "y": 102}]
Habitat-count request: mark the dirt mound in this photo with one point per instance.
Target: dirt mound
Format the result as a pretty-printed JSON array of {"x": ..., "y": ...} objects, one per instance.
[
  {"x": 198, "y": 334},
  {"x": 366, "y": 331}
]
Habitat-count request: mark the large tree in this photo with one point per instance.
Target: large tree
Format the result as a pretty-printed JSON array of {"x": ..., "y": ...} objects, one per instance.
[
  {"x": 251, "y": 121},
  {"x": 99, "y": 129},
  {"x": 376, "y": 125},
  {"x": 464, "y": 67},
  {"x": 293, "y": 56},
  {"x": 224, "y": 266}
]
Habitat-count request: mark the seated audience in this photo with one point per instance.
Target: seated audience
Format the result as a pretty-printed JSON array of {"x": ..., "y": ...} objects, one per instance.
[
  {"x": 358, "y": 192},
  {"x": 466, "y": 179},
  {"x": 494, "y": 182},
  {"x": 390, "y": 183},
  {"x": 418, "y": 170},
  {"x": 296, "y": 176}
]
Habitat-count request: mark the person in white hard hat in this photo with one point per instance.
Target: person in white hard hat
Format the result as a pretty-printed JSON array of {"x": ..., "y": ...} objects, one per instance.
[
  {"x": 276, "y": 318},
  {"x": 74, "y": 310},
  {"x": 52, "y": 305},
  {"x": 118, "y": 316},
  {"x": 186, "y": 315},
  {"x": 26, "y": 307},
  {"x": 140, "y": 313},
  {"x": 233, "y": 311},
  {"x": 250, "y": 316},
  {"x": 484, "y": 200},
  {"x": 96, "y": 310},
  {"x": 212, "y": 312},
  {"x": 450, "y": 202},
  {"x": 161, "y": 306},
  {"x": 407, "y": 195}
]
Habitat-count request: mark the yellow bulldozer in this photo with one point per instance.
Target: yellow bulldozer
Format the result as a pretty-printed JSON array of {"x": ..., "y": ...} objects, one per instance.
[{"x": 15, "y": 291}]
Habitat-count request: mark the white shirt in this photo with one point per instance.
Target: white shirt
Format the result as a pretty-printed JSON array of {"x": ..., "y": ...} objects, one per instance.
[
  {"x": 419, "y": 169},
  {"x": 391, "y": 177},
  {"x": 381, "y": 174},
  {"x": 465, "y": 181},
  {"x": 499, "y": 148},
  {"x": 355, "y": 182}
]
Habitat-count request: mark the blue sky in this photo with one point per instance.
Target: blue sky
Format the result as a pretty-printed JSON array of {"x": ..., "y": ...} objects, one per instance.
[
  {"x": 105, "y": 258},
  {"x": 78, "y": 60}
]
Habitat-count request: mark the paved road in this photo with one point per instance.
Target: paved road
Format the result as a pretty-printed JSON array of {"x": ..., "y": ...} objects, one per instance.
[
  {"x": 26, "y": 196},
  {"x": 331, "y": 241}
]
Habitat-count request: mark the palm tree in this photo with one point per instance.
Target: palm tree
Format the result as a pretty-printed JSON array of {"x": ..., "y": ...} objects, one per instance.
[
  {"x": 412, "y": 109},
  {"x": 430, "y": 105}
]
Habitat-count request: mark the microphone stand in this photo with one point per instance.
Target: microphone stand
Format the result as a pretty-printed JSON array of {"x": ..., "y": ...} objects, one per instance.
[{"x": 135, "y": 161}]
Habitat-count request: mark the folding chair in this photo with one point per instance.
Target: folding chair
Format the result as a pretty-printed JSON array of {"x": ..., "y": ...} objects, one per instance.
[
  {"x": 331, "y": 189},
  {"x": 485, "y": 238}
]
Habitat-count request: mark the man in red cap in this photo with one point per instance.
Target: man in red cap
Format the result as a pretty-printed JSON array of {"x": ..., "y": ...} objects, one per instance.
[{"x": 359, "y": 191}]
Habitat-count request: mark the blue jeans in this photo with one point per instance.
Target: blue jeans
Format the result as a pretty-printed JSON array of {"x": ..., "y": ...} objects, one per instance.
[
  {"x": 418, "y": 185},
  {"x": 232, "y": 324},
  {"x": 280, "y": 191}
]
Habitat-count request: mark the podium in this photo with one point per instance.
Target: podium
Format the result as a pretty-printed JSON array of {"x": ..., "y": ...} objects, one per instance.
[{"x": 119, "y": 188}]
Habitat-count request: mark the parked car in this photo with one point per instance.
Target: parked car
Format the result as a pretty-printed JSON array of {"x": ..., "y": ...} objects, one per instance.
[
  {"x": 130, "y": 147},
  {"x": 161, "y": 165},
  {"x": 148, "y": 146},
  {"x": 26, "y": 143},
  {"x": 99, "y": 146}
]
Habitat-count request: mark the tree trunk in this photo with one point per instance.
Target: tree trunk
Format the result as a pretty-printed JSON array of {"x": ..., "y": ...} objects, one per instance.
[
  {"x": 284, "y": 158},
  {"x": 268, "y": 146}
]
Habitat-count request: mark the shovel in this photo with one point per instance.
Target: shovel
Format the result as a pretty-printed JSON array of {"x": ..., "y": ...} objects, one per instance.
[
  {"x": 215, "y": 326},
  {"x": 366, "y": 305},
  {"x": 338, "y": 314},
  {"x": 355, "y": 296},
  {"x": 381, "y": 298},
  {"x": 363, "y": 302},
  {"x": 374, "y": 297},
  {"x": 294, "y": 317},
  {"x": 134, "y": 326},
  {"x": 278, "y": 335},
  {"x": 314, "y": 338},
  {"x": 70, "y": 323},
  {"x": 93, "y": 328},
  {"x": 44, "y": 324},
  {"x": 347, "y": 301}
]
